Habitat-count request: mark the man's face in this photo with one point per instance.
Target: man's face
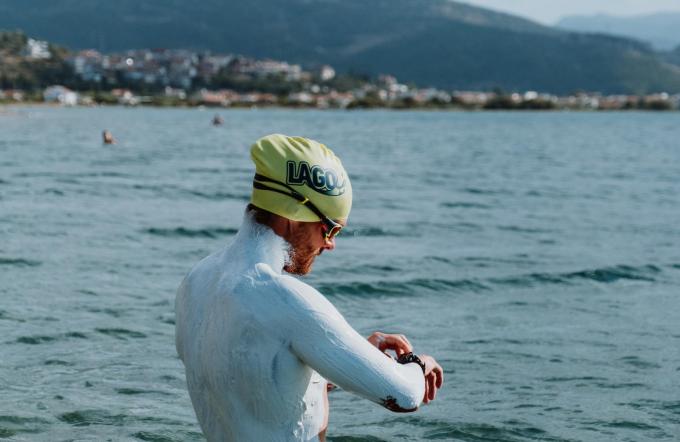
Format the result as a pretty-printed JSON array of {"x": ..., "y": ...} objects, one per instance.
[{"x": 307, "y": 241}]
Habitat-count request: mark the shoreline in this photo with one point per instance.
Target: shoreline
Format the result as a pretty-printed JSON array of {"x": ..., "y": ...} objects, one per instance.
[{"x": 42, "y": 104}]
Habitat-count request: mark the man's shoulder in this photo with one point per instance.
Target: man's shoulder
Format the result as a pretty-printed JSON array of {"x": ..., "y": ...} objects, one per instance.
[
  {"x": 265, "y": 276},
  {"x": 206, "y": 270},
  {"x": 206, "y": 265},
  {"x": 296, "y": 294}
]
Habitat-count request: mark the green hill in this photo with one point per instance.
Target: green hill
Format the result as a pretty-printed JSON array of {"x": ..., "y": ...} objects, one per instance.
[
  {"x": 17, "y": 71},
  {"x": 428, "y": 42}
]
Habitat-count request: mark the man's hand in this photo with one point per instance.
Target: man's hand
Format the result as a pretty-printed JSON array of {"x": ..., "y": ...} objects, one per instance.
[
  {"x": 397, "y": 343},
  {"x": 434, "y": 377}
]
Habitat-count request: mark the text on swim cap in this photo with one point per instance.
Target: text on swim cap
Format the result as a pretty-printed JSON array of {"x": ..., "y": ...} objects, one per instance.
[{"x": 325, "y": 181}]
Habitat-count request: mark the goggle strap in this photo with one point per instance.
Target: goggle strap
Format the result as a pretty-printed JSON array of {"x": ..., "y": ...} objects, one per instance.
[{"x": 298, "y": 196}]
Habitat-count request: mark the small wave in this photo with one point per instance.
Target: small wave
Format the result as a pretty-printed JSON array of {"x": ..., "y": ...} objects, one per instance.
[
  {"x": 172, "y": 191},
  {"x": 520, "y": 258},
  {"x": 611, "y": 274},
  {"x": 19, "y": 262},
  {"x": 464, "y": 205},
  {"x": 604, "y": 275},
  {"x": 203, "y": 170},
  {"x": 169, "y": 436},
  {"x": 372, "y": 231},
  {"x": 479, "y": 191},
  {"x": 620, "y": 385},
  {"x": 673, "y": 407},
  {"x": 637, "y": 362},
  {"x": 127, "y": 391},
  {"x": 355, "y": 439},
  {"x": 511, "y": 430},
  {"x": 105, "y": 173},
  {"x": 12, "y": 425},
  {"x": 410, "y": 287},
  {"x": 465, "y": 227},
  {"x": 84, "y": 418},
  {"x": 495, "y": 341},
  {"x": 520, "y": 229},
  {"x": 35, "y": 174},
  {"x": 4, "y": 315},
  {"x": 35, "y": 340},
  {"x": 168, "y": 318},
  {"x": 631, "y": 425},
  {"x": 87, "y": 292},
  {"x": 405, "y": 288},
  {"x": 58, "y": 362},
  {"x": 573, "y": 379},
  {"x": 44, "y": 339},
  {"x": 121, "y": 333},
  {"x": 365, "y": 270},
  {"x": 53, "y": 191},
  {"x": 482, "y": 432},
  {"x": 179, "y": 232},
  {"x": 116, "y": 313},
  {"x": 439, "y": 259},
  {"x": 219, "y": 196}
]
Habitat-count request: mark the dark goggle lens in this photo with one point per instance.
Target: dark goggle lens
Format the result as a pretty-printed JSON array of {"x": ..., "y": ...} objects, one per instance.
[{"x": 332, "y": 232}]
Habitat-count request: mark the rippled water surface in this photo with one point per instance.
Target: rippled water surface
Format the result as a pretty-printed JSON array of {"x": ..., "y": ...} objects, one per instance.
[{"x": 535, "y": 255}]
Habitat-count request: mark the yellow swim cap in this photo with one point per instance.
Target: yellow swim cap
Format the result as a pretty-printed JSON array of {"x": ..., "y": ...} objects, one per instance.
[{"x": 308, "y": 167}]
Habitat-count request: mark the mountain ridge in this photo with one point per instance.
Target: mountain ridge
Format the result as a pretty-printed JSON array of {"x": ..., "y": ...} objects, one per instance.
[
  {"x": 662, "y": 30},
  {"x": 437, "y": 43}
]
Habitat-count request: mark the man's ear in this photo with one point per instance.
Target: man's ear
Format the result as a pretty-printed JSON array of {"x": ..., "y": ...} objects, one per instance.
[{"x": 282, "y": 226}]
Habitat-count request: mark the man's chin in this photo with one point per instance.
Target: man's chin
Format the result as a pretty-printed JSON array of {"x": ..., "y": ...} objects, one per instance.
[{"x": 299, "y": 269}]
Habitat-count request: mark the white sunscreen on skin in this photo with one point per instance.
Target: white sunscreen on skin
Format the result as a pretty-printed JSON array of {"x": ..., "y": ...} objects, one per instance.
[{"x": 257, "y": 344}]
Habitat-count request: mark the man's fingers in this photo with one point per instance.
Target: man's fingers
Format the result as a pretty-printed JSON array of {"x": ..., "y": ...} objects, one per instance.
[
  {"x": 408, "y": 344},
  {"x": 431, "y": 389},
  {"x": 426, "y": 397},
  {"x": 401, "y": 347},
  {"x": 399, "y": 344},
  {"x": 440, "y": 375}
]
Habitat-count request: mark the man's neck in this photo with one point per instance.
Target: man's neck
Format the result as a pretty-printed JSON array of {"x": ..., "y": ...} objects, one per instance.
[{"x": 259, "y": 243}]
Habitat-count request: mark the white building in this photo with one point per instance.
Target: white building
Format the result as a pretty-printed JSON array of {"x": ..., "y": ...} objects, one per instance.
[
  {"x": 37, "y": 49},
  {"x": 326, "y": 73},
  {"x": 61, "y": 95}
]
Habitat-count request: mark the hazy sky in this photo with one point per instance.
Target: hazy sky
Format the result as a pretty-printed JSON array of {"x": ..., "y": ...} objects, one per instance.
[{"x": 549, "y": 11}]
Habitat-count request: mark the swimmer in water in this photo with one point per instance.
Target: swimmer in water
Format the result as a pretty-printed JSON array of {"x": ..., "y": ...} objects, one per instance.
[
  {"x": 107, "y": 137},
  {"x": 259, "y": 345},
  {"x": 217, "y": 120}
]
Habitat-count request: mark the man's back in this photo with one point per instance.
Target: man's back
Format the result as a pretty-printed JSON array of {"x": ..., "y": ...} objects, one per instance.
[
  {"x": 243, "y": 379},
  {"x": 255, "y": 341}
]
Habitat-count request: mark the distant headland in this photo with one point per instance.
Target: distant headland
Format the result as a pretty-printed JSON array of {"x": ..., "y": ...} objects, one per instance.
[{"x": 34, "y": 71}]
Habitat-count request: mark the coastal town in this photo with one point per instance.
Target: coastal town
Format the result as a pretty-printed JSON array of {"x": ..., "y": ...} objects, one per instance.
[{"x": 180, "y": 77}]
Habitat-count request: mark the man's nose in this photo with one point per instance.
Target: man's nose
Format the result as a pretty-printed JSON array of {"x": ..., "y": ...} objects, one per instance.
[{"x": 329, "y": 244}]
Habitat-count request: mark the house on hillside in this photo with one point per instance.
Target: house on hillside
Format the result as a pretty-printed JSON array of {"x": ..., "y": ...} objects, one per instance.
[
  {"x": 37, "y": 49},
  {"x": 61, "y": 95}
]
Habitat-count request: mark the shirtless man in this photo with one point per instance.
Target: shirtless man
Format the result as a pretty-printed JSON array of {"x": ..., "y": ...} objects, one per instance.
[
  {"x": 107, "y": 137},
  {"x": 259, "y": 345}
]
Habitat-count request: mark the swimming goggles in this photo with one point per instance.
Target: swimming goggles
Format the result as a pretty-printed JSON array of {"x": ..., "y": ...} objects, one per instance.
[{"x": 332, "y": 228}]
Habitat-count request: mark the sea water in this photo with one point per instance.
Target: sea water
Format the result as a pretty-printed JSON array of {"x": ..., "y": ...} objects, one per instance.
[{"x": 535, "y": 255}]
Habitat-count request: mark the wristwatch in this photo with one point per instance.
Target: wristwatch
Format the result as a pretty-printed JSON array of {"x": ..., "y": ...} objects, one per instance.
[{"x": 407, "y": 358}]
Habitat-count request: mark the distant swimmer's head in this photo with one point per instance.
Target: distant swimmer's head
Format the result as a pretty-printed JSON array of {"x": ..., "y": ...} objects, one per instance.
[
  {"x": 302, "y": 181},
  {"x": 107, "y": 137}
]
